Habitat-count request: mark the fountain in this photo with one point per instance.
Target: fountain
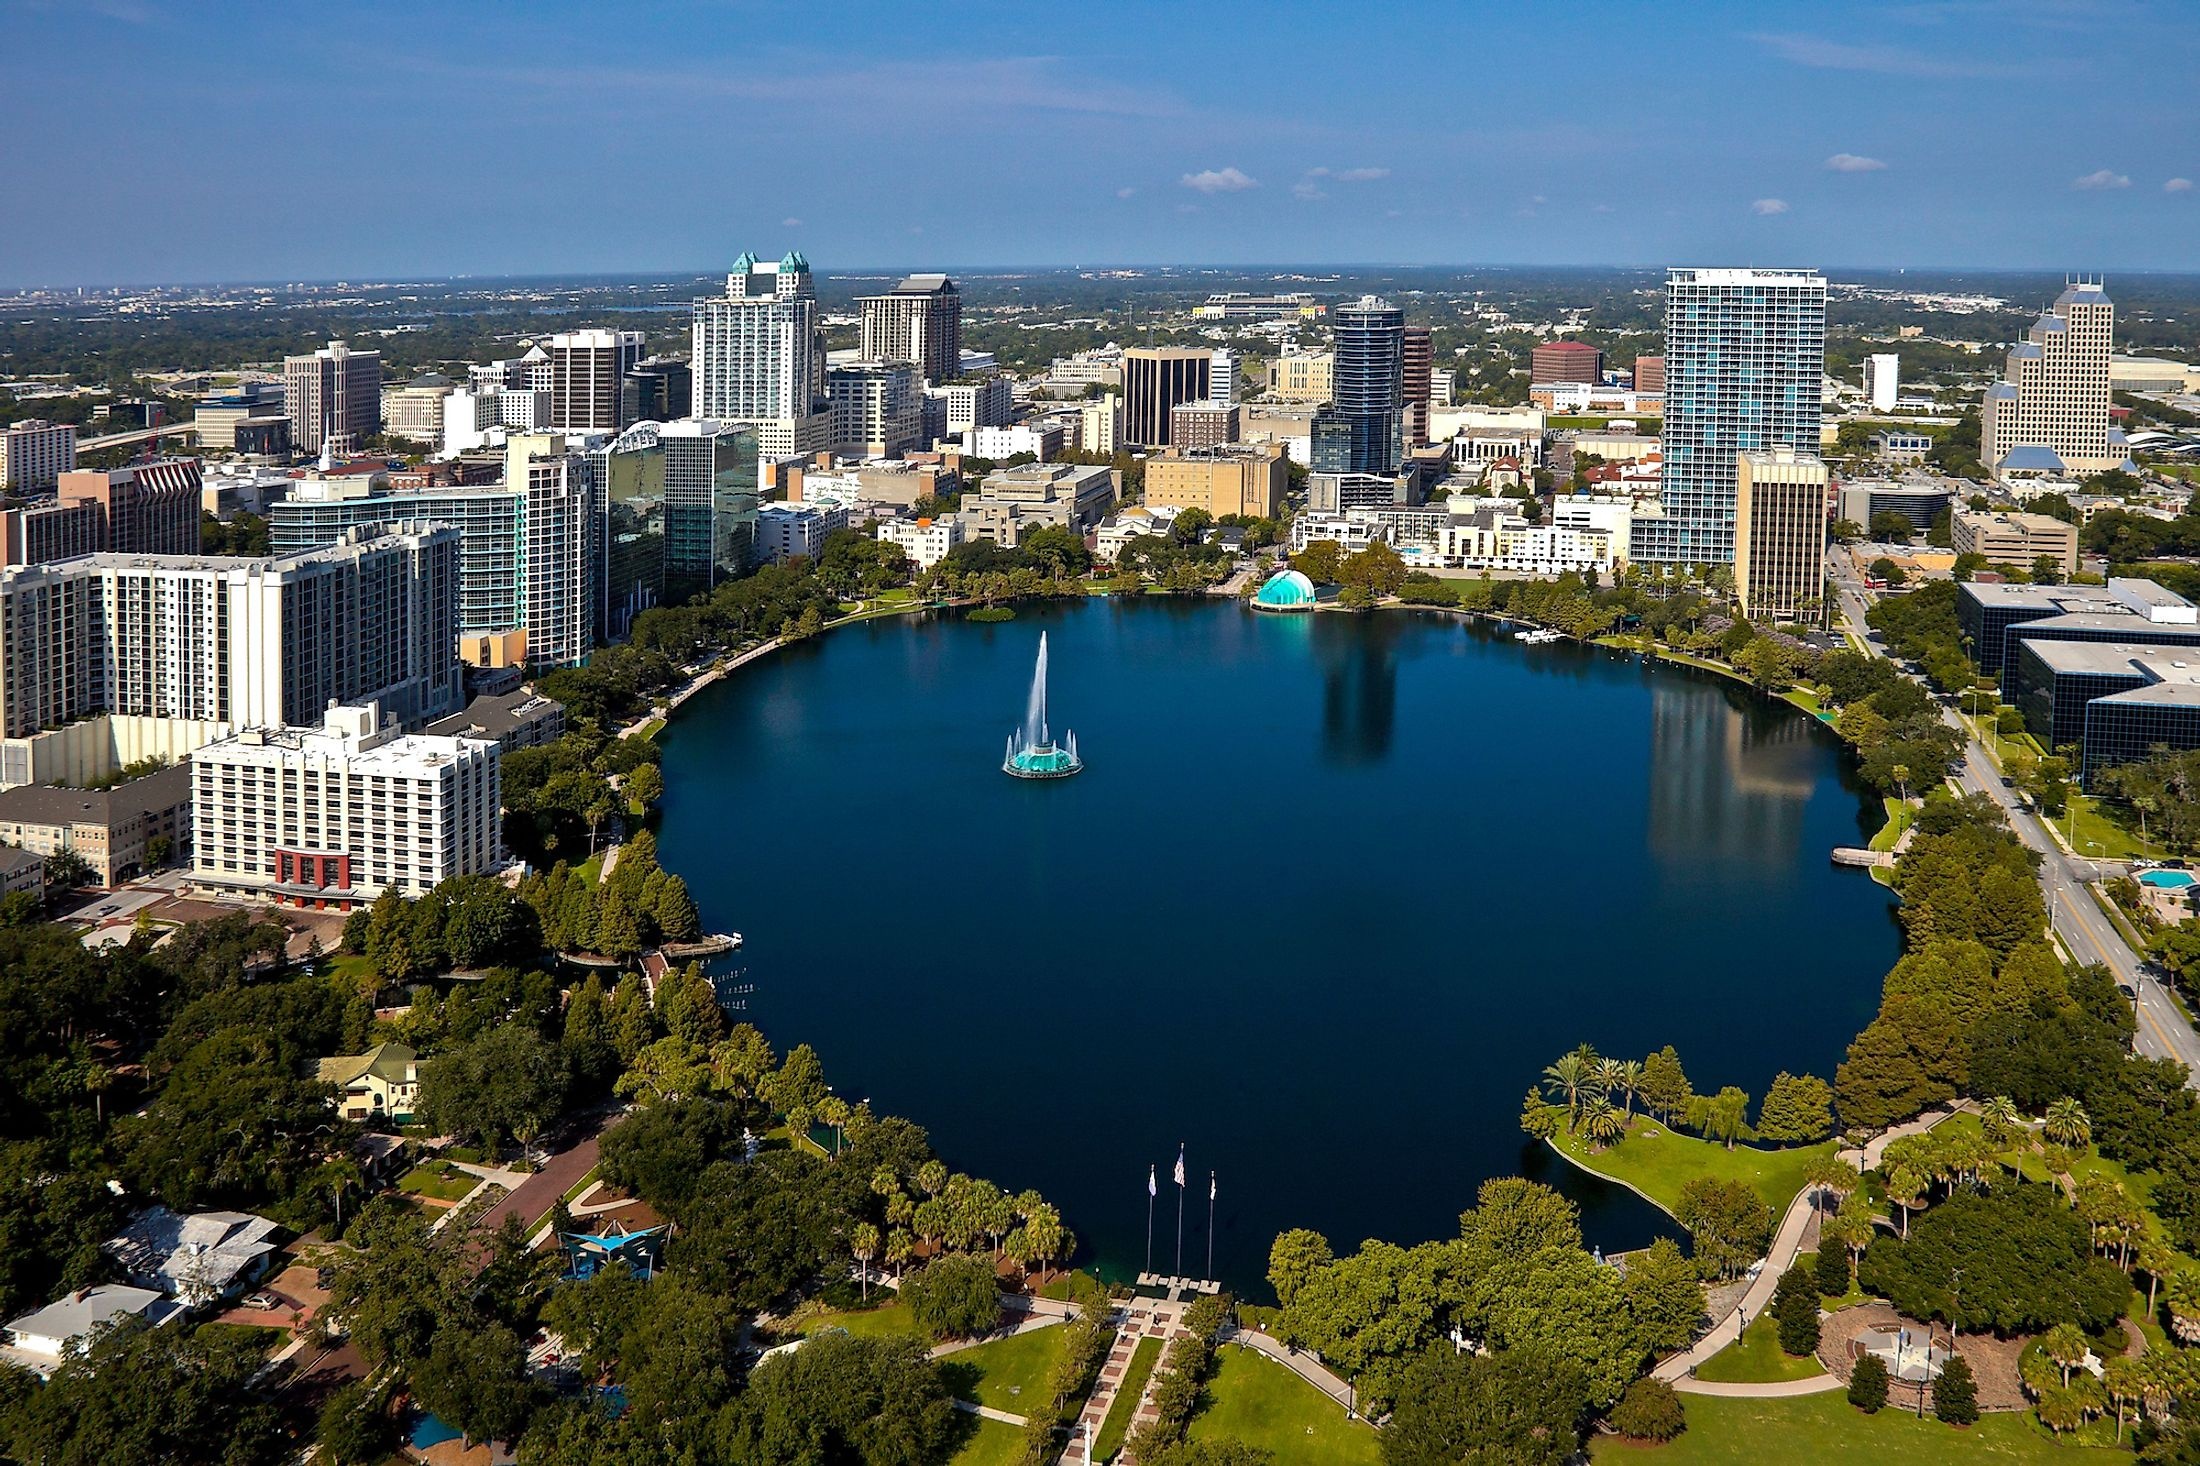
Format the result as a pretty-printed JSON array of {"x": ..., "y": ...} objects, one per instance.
[{"x": 1032, "y": 753}]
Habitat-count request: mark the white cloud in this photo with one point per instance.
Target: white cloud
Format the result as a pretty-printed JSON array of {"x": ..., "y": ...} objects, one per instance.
[
  {"x": 1362, "y": 175},
  {"x": 1854, "y": 163},
  {"x": 1219, "y": 180},
  {"x": 2178, "y": 185},
  {"x": 1305, "y": 190},
  {"x": 2102, "y": 178},
  {"x": 1124, "y": 193},
  {"x": 790, "y": 223},
  {"x": 1769, "y": 206},
  {"x": 1822, "y": 54}
]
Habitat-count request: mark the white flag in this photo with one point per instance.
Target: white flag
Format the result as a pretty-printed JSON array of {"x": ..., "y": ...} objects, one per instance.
[
  {"x": 1210, "y": 1186},
  {"x": 1180, "y": 1165},
  {"x": 1153, "y": 1187}
]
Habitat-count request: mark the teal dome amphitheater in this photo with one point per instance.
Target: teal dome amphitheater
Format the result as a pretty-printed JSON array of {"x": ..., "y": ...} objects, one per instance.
[{"x": 1286, "y": 590}]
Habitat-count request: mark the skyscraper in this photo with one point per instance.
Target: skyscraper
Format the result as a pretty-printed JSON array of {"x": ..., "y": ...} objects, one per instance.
[
  {"x": 1566, "y": 361},
  {"x": 1883, "y": 380},
  {"x": 2049, "y": 412},
  {"x": 1155, "y": 380},
  {"x": 334, "y": 398},
  {"x": 759, "y": 357},
  {"x": 920, "y": 322},
  {"x": 1362, "y": 431},
  {"x": 1745, "y": 352},
  {"x": 878, "y": 409},
  {"x": 587, "y": 369},
  {"x": 658, "y": 389},
  {"x": 1420, "y": 371},
  {"x": 1780, "y": 534}
]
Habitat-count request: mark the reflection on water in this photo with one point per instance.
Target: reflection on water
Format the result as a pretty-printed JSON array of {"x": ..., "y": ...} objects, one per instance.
[
  {"x": 1730, "y": 777},
  {"x": 1358, "y": 659}
]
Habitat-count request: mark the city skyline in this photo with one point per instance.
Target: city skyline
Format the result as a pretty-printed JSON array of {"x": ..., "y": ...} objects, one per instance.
[{"x": 1765, "y": 134}]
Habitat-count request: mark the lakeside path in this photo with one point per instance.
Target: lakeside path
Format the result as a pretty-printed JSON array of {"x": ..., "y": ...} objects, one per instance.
[{"x": 1787, "y": 1243}]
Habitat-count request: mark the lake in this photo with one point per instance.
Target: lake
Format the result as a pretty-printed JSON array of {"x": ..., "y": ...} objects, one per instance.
[{"x": 1330, "y": 893}]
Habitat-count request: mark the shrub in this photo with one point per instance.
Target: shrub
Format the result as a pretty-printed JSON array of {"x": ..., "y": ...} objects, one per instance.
[
  {"x": 1955, "y": 1393},
  {"x": 1868, "y": 1386},
  {"x": 1833, "y": 1269},
  {"x": 1649, "y": 1411},
  {"x": 1795, "y": 1306},
  {"x": 953, "y": 1297}
]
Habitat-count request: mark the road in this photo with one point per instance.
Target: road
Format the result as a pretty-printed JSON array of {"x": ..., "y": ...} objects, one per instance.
[{"x": 2086, "y": 932}]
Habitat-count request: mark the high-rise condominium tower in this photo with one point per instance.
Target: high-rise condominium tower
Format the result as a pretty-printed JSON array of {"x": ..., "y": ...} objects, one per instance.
[
  {"x": 2049, "y": 412},
  {"x": 334, "y": 398},
  {"x": 587, "y": 368},
  {"x": 1363, "y": 430},
  {"x": 920, "y": 322},
  {"x": 759, "y": 357},
  {"x": 1420, "y": 372},
  {"x": 1745, "y": 352}
]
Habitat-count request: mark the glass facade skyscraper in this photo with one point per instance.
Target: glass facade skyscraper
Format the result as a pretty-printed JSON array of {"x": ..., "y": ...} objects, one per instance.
[
  {"x": 1363, "y": 431},
  {"x": 1745, "y": 354}
]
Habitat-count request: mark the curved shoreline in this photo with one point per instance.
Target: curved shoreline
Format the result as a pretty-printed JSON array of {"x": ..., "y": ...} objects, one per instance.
[{"x": 1589, "y": 1170}]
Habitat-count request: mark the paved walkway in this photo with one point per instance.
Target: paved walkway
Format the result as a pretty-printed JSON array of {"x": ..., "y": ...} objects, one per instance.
[
  {"x": 1787, "y": 1241},
  {"x": 987, "y": 1412},
  {"x": 1817, "y": 1384}
]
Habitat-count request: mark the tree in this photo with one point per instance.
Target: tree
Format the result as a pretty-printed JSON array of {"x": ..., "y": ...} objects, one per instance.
[
  {"x": 646, "y": 785},
  {"x": 1798, "y": 1110},
  {"x": 1868, "y": 1384},
  {"x": 2066, "y": 1124},
  {"x": 1722, "y": 1116},
  {"x": 866, "y": 1402},
  {"x": 1730, "y": 1223},
  {"x": 1955, "y": 1393},
  {"x": 476, "y": 1379},
  {"x": 1319, "y": 561},
  {"x": 1294, "y": 1258},
  {"x": 1665, "y": 1089},
  {"x": 1569, "y": 1077},
  {"x": 146, "y": 1394},
  {"x": 1511, "y": 1408},
  {"x": 1891, "y": 528},
  {"x": 2024, "y": 1262},
  {"x": 1831, "y": 1273},
  {"x": 1649, "y": 1411},
  {"x": 1795, "y": 1307},
  {"x": 508, "y": 1083},
  {"x": 2124, "y": 1378},
  {"x": 953, "y": 1297}
]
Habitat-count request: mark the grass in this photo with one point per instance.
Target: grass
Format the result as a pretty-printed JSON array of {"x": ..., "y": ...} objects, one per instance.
[
  {"x": 1657, "y": 1161},
  {"x": 1256, "y": 1400},
  {"x": 438, "y": 1179},
  {"x": 1125, "y": 1404},
  {"x": 649, "y": 729},
  {"x": 991, "y": 1444},
  {"x": 1827, "y": 1430},
  {"x": 1901, "y": 814},
  {"x": 259, "y": 1336},
  {"x": 1808, "y": 1262},
  {"x": 1008, "y": 1374},
  {"x": 352, "y": 967},
  {"x": 1757, "y": 1359},
  {"x": 900, "y": 595},
  {"x": 887, "y": 1321},
  {"x": 591, "y": 869}
]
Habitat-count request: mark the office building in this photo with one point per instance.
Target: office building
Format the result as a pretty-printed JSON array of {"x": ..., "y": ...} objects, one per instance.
[
  {"x": 1993, "y": 615},
  {"x": 1780, "y": 534},
  {"x": 1362, "y": 431},
  {"x": 1100, "y": 424},
  {"x": 1899, "y": 445},
  {"x": 333, "y": 398},
  {"x": 414, "y": 411},
  {"x": 1567, "y": 361},
  {"x": 2016, "y": 539},
  {"x": 243, "y": 421},
  {"x": 1419, "y": 371},
  {"x": 1044, "y": 441},
  {"x": 1882, "y": 380},
  {"x": 1209, "y": 423},
  {"x": 877, "y": 408},
  {"x": 35, "y": 453},
  {"x": 900, "y": 485},
  {"x": 1012, "y": 502},
  {"x": 918, "y": 322},
  {"x": 1744, "y": 354},
  {"x": 528, "y": 546},
  {"x": 1611, "y": 516},
  {"x": 120, "y": 832},
  {"x": 961, "y": 408},
  {"x": 657, "y": 389},
  {"x": 710, "y": 487},
  {"x": 332, "y": 814},
  {"x": 1301, "y": 376},
  {"x": 1863, "y": 500},
  {"x": 925, "y": 541},
  {"x": 148, "y": 508},
  {"x": 787, "y": 532},
  {"x": 1221, "y": 480},
  {"x": 759, "y": 357},
  {"x": 588, "y": 370},
  {"x": 1649, "y": 374},
  {"x": 2049, "y": 411},
  {"x": 1224, "y": 372},
  {"x": 1155, "y": 380}
]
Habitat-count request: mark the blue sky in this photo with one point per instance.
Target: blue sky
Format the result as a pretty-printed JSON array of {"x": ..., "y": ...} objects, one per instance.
[{"x": 182, "y": 140}]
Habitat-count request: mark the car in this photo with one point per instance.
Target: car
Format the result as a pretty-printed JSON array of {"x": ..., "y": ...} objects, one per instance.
[
  {"x": 2128, "y": 991},
  {"x": 2007, "y": 782}
]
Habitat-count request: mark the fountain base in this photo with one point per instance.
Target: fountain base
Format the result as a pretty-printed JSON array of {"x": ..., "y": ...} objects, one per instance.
[{"x": 1042, "y": 761}]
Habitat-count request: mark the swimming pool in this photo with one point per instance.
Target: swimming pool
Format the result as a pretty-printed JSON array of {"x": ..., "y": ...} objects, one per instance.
[{"x": 2167, "y": 880}]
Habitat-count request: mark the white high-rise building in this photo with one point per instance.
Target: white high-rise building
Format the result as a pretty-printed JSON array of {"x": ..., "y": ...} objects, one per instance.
[
  {"x": 333, "y": 814},
  {"x": 1223, "y": 376},
  {"x": 1744, "y": 354},
  {"x": 2049, "y": 412},
  {"x": 34, "y": 455},
  {"x": 561, "y": 547},
  {"x": 759, "y": 357},
  {"x": 878, "y": 409},
  {"x": 1882, "y": 380},
  {"x": 334, "y": 398}
]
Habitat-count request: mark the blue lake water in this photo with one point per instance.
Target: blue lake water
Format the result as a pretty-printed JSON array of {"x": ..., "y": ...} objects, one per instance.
[{"x": 1329, "y": 894}]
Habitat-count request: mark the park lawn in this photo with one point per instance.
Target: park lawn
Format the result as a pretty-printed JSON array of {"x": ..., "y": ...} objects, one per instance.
[
  {"x": 1658, "y": 1161},
  {"x": 1125, "y": 1404},
  {"x": 887, "y": 1321},
  {"x": 991, "y": 1444},
  {"x": 1900, "y": 815},
  {"x": 591, "y": 869},
  {"x": 1826, "y": 1430},
  {"x": 649, "y": 729},
  {"x": 351, "y": 967},
  {"x": 1254, "y": 1399},
  {"x": 438, "y": 1179},
  {"x": 1757, "y": 1359},
  {"x": 266, "y": 1340},
  {"x": 1008, "y": 1374}
]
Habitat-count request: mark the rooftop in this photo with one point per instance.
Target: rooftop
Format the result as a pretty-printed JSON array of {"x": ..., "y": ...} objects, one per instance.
[
  {"x": 2134, "y": 658},
  {"x": 45, "y": 804},
  {"x": 76, "y": 1314}
]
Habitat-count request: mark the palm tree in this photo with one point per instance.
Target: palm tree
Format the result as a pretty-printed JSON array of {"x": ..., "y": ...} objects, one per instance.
[
  {"x": 2125, "y": 1378},
  {"x": 1906, "y": 1189},
  {"x": 1607, "y": 1076},
  {"x": 900, "y": 1247},
  {"x": 2065, "y": 1344},
  {"x": 2001, "y": 1118},
  {"x": 1601, "y": 1122},
  {"x": 1568, "y": 1077},
  {"x": 2066, "y": 1124},
  {"x": 1829, "y": 1173},
  {"x": 1629, "y": 1081},
  {"x": 864, "y": 1243},
  {"x": 2181, "y": 1294},
  {"x": 2154, "y": 1258}
]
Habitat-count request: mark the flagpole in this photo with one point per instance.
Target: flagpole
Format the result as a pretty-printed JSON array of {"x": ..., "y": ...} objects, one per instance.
[
  {"x": 1210, "y": 1226},
  {"x": 1180, "y": 1211},
  {"x": 1150, "y": 1188}
]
